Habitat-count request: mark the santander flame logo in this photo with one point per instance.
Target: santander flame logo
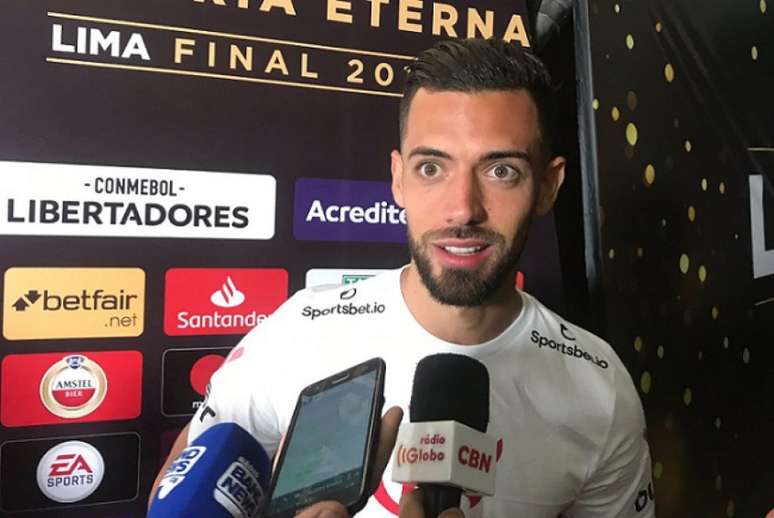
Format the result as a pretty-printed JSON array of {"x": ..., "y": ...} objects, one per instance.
[{"x": 228, "y": 296}]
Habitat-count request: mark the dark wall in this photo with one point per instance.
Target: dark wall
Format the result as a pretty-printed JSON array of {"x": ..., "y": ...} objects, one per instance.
[{"x": 683, "y": 125}]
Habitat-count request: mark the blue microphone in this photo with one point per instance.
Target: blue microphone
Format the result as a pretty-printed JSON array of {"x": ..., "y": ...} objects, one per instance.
[{"x": 223, "y": 473}]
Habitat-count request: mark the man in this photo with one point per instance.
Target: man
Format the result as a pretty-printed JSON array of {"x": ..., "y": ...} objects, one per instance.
[{"x": 473, "y": 169}]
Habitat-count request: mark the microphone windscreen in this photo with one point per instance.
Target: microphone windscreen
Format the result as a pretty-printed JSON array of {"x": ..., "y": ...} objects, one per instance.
[{"x": 451, "y": 387}]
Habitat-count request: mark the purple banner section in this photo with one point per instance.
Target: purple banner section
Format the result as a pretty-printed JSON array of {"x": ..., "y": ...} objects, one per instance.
[{"x": 347, "y": 210}]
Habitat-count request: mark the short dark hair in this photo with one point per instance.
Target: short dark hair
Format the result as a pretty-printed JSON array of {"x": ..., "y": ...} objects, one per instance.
[{"x": 475, "y": 65}]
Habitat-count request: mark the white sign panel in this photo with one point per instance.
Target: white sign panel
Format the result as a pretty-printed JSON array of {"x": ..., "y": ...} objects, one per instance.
[{"x": 79, "y": 200}]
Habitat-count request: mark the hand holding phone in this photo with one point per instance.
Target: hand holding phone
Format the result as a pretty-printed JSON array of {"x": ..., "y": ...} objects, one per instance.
[{"x": 330, "y": 442}]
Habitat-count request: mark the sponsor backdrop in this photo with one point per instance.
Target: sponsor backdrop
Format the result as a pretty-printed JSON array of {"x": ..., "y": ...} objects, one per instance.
[
  {"x": 686, "y": 170},
  {"x": 171, "y": 173}
]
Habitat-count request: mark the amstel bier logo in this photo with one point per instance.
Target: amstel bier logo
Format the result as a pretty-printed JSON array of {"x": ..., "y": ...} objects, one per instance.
[
  {"x": 73, "y": 387},
  {"x": 40, "y": 303}
]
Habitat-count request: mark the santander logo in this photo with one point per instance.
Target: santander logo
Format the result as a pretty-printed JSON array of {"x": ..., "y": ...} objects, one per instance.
[{"x": 228, "y": 296}]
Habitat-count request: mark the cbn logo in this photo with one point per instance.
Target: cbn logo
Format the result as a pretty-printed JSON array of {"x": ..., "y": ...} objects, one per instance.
[{"x": 40, "y": 303}]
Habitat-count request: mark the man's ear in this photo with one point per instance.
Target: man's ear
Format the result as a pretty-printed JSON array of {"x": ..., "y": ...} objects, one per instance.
[
  {"x": 550, "y": 181},
  {"x": 396, "y": 167}
]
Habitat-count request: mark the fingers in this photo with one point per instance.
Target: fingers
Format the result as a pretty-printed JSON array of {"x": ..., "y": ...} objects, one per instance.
[
  {"x": 327, "y": 509},
  {"x": 388, "y": 432},
  {"x": 411, "y": 507}
]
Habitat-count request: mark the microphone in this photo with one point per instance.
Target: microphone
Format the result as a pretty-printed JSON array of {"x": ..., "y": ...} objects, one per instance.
[
  {"x": 444, "y": 448},
  {"x": 223, "y": 473}
]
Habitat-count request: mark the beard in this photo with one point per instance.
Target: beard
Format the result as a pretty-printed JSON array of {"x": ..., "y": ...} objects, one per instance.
[{"x": 464, "y": 287}]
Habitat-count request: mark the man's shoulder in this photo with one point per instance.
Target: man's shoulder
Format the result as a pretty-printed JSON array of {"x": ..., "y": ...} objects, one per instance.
[{"x": 588, "y": 362}]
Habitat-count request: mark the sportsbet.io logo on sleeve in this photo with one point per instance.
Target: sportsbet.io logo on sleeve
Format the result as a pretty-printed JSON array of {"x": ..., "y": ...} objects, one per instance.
[
  {"x": 347, "y": 210},
  {"x": 43, "y": 303}
]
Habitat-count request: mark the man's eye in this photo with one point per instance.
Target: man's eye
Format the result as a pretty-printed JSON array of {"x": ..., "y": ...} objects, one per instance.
[
  {"x": 504, "y": 172},
  {"x": 428, "y": 169}
]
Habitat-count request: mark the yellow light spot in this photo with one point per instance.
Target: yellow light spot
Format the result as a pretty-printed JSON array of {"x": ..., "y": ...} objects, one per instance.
[
  {"x": 631, "y": 134},
  {"x": 669, "y": 73},
  {"x": 658, "y": 470},
  {"x": 614, "y": 113},
  {"x": 688, "y": 146},
  {"x": 687, "y": 397},
  {"x": 718, "y": 482},
  {"x": 717, "y": 423},
  {"x": 704, "y": 184},
  {"x": 746, "y": 355},
  {"x": 650, "y": 174},
  {"x": 611, "y": 253},
  {"x": 691, "y": 213},
  {"x": 617, "y": 8},
  {"x": 660, "y": 352},
  {"x": 754, "y": 53},
  {"x": 637, "y": 343},
  {"x": 640, "y": 252},
  {"x": 645, "y": 382},
  {"x": 715, "y": 312},
  {"x": 702, "y": 273},
  {"x": 685, "y": 263},
  {"x": 663, "y": 222},
  {"x": 630, "y": 41},
  {"x": 762, "y": 6},
  {"x": 595, "y": 104},
  {"x": 658, "y": 24},
  {"x": 725, "y": 342},
  {"x": 730, "y": 509}
]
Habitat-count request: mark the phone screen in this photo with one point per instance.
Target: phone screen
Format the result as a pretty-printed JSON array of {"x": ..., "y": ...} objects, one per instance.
[{"x": 326, "y": 451}]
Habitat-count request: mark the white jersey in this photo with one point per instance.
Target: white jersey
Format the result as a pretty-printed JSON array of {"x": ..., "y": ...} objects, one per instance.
[{"x": 568, "y": 420}]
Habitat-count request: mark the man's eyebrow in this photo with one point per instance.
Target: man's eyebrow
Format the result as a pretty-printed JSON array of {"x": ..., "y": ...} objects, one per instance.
[
  {"x": 429, "y": 151},
  {"x": 507, "y": 153}
]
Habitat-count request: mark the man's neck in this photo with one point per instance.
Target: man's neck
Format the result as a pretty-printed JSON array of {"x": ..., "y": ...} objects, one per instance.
[{"x": 457, "y": 324}]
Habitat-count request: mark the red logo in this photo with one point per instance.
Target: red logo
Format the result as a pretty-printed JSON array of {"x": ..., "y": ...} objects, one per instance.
[
  {"x": 417, "y": 455},
  {"x": 202, "y": 371},
  {"x": 58, "y": 388},
  {"x": 67, "y": 464},
  {"x": 221, "y": 301}
]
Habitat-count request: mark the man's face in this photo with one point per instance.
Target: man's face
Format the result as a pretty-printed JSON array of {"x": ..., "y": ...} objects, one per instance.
[{"x": 468, "y": 177}]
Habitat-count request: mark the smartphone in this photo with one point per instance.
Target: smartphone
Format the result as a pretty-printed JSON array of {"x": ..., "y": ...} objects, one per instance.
[{"x": 330, "y": 442}]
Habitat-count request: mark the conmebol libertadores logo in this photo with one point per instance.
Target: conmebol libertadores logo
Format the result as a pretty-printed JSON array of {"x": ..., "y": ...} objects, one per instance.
[
  {"x": 212, "y": 301},
  {"x": 70, "y": 471},
  {"x": 80, "y": 200}
]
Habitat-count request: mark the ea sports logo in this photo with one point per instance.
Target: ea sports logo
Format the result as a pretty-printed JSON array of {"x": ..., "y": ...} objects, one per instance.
[
  {"x": 70, "y": 471},
  {"x": 73, "y": 387}
]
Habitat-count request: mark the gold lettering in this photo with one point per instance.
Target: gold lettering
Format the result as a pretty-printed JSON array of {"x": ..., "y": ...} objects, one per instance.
[
  {"x": 181, "y": 51},
  {"x": 285, "y": 5},
  {"x": 376, "y": 11},
  {"x": 407, "y": 19},
  {"x": 476, "y": 23},
  {"x": 516, "y": 31},
  {"x": 216, "y": 2},
  {"x": 444, "y": 17},
  {"x": 277, "y": 61},
  {"x": 211, "y": 54},
  {"x": 305, "y": 72},
  {"x": 334, "y": 12},
  {"x": 246, "y": 60}
]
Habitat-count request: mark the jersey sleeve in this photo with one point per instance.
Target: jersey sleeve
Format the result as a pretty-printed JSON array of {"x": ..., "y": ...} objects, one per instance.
[
  {"x": 241, "y": 390},
  {"x": 620, "y": 485}
]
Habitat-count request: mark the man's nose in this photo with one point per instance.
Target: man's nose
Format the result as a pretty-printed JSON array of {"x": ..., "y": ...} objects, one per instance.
[{"x": 464, "y": 200}]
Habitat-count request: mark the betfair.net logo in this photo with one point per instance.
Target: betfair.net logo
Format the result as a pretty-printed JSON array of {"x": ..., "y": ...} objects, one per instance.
[{"x": 73, "y": 302}]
